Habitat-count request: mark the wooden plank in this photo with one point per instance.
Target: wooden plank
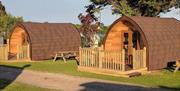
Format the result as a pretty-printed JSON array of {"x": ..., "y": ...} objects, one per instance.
[
  {"x": 18, "y": 55},
  {"x": 86, "y": 56},
  {"x": 92, "y": 58},
  {"x": 28, "y": 52},
  {"x": 123, "y": 60},
  {"x": 144, "y": 57},
  {"x": 80, "y": 56},
  {"x": 177, "y": 66},
  {"x": 100, "y": 59},
  {"x": 134, "y": 59},
  {"x": 63, "y": 56},
  {"x": 107, "y": 60},
  {"x": 55, "y": 57}
]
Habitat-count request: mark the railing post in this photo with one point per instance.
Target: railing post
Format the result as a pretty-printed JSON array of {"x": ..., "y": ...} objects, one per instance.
[
  {"x": 7, "y": 45},
  {"x": 134, "y": 58},
  {"x": 7, "y": 49},
  {"x": 28, "y": 52},
  {"x": 2, "y": 49},
  {"x": 144, "y": 57},
  {"x": 6, "y": 52},
  {"x": 1, "y": 57},
  {"x": 17, "y": 52},
  {"x": 80, "y": 56},
  {"x": 100, "y": 56},
  {"x": 123, "y": 60},
  {"x": 21, "y": 48}
]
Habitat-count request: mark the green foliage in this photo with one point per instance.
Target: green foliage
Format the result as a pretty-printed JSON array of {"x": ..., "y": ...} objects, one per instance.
[
  {"x": 2, "y": 10},
  {"x": 137, "y": 7},
  {"x": 163, "y": 78},
  {"x": 7, "y": 23},
  {"x": 102, "y": 31},
  {"x": 103, "y": 28},
  {"x": 78, "y": 26}
]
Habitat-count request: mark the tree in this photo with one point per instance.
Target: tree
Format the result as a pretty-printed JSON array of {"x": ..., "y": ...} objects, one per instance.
[
  {"x": 7, "y": 22},
  {"x": 2, "y": 10},
  {"x": 137, "y": 7},
  {"x": 89, "y": 27}
]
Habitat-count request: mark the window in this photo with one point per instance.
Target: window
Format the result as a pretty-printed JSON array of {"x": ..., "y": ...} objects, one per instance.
[{"x": 126, "y": 38}]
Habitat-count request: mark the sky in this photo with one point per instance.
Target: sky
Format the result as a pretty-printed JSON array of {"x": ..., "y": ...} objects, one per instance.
[{"x": 65, "y": 11}]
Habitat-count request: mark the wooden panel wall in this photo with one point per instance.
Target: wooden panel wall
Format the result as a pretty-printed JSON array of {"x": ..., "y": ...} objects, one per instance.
[
  {"x": 114, "y": 40},
  {"x": 16, "y": 39}
]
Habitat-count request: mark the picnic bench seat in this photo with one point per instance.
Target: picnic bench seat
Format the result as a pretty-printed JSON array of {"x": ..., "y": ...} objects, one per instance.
[
  {"x": 177, "y": 66},
  {"x": 65, "y": 54}
]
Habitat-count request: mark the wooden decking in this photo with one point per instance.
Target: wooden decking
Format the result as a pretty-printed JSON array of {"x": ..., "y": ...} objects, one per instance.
[
  {"x": 111, "y": 72},
  {"x": 113, "y": 62}
]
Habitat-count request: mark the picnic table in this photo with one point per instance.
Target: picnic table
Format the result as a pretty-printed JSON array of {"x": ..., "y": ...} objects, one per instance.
[
  {"x": 177, "y": 66},
  {"x": 65, "y": 54}
]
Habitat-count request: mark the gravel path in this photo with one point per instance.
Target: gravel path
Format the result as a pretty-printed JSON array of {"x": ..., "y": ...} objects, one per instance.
[{"x": 68, "y": 83}]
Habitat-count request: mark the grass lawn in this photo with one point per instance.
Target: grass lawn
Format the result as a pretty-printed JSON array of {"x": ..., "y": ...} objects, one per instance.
[
  {"x": 15, "y": 86},
  {"x": 164, "y": 79}
]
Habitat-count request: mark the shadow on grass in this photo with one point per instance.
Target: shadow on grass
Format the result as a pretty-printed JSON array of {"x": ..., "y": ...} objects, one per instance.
[
  {"x": 176, "y": 88},
  {"x": 101, "y": 86},
  {"x": 9, "y": 73}
]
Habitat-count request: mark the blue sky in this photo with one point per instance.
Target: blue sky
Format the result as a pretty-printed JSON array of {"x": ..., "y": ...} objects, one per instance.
[{"x": 59, "y": 10}]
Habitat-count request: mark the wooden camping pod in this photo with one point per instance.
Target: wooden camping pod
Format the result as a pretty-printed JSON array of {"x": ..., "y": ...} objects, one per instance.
[
  {"x": 161, "y": 37},
  {"x": 44, "y": 39}
]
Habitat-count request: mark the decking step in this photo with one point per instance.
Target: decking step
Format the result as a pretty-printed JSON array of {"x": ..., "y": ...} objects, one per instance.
[{"x": 134, "y": 74}]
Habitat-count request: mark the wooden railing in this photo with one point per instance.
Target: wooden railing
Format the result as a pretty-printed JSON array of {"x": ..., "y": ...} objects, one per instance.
[
  {"x": 3, "y": 52},
  {"x": 139, "y": 58},
  {"x": 23, "y": 52},
  {"x": 102, "y": 59},
  {"x": 89, "y": 57},
  {"x": 113, "y": 60}
]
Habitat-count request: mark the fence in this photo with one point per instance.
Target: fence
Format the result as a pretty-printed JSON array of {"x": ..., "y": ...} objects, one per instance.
[
  {"x": 102, "y": 59},
  {"x": 3, "y": 52},
  {"x": 111, "y": 60},
  {"x": 23, "y": 52}
]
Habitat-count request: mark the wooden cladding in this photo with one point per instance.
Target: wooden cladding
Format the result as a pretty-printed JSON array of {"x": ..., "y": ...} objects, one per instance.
[
  {"x": 18, "y": 38},
  {"x": 3, "y": 52},
  {"x": 114, "y": 40},
  {"x": 119, "y": 37}
]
